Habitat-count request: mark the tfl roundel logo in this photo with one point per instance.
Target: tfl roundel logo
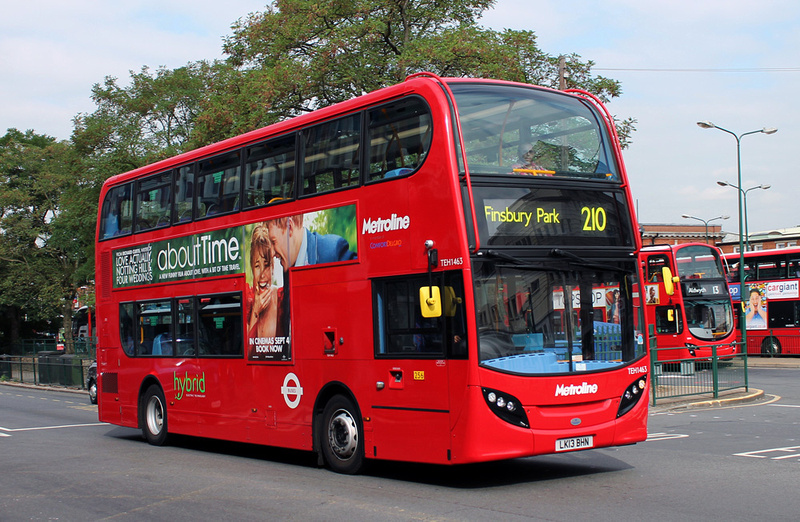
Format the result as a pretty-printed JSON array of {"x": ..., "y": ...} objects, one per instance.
[{"x": 291, "y": 390}]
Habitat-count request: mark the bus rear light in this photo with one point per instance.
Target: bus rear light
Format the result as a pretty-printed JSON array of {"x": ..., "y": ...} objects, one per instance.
[
  {"x": 631, "y": 396},
  {"x": 506, "y": 407}
]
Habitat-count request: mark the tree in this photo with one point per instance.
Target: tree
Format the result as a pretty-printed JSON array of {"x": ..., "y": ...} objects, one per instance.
[
  {"x": 148, "y": 120},
  {"x": 299, "y": 55},
  {"x": 47, "y": 215}
]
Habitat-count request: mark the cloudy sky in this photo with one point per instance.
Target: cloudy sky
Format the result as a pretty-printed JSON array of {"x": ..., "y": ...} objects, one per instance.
[{"x": 733, "y": 62}]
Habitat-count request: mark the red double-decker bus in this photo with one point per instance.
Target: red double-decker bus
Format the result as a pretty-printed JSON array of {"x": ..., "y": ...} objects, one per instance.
[
  {"x": 771, "y": 308},
  {"x": 687, "y": 300},
  {"x": 384, "y": 278}
]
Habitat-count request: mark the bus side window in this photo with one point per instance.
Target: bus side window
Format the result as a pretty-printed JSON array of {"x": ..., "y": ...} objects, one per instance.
[
  {"x": 127, "y": 328},
  {"x": 219, "y": 325},
  {"x": 117, "y": 214},
  {"x": 402, "y": 331},
  {"x": 218, "y": 185},
  {"x": 154, "y": 202},
  {"x": 794, "y": 268},
  {"x": 154, "y": 320},
  {"x": 654, "y": 266},
  {"x": 331, "y": 155},
  {"x": 399, "y": 138},
  {"x": 269, "y": 172},
  {"x": 668, "y": 320},
  {"x": 184, "y": 194}
]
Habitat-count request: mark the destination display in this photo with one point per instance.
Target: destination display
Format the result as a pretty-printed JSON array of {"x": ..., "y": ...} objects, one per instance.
[{"x": 551, "y": 217}]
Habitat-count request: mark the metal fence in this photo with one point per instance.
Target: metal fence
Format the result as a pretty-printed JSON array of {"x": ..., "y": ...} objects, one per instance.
[
  {"x": 693, "y": 376},
  {"x": 45, "y": 368},
  {"x": 82, "y": 346}
]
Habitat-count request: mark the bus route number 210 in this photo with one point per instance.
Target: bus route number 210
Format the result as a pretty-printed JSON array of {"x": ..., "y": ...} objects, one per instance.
[{"x": 595, "y": 219}]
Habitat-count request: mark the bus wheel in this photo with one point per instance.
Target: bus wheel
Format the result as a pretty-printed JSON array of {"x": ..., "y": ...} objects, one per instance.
[
  {"x": 341, "y": 439},
  {"x": 154, "y": 416},
  {"x": 770, "y": 346},
  {"x": 93, "y": 392}
]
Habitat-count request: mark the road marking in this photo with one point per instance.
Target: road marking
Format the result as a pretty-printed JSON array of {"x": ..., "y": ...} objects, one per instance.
[
  {"x": 664, "y": 436},
  {"x": 37, "y": 428},
  {"x": 788, "y": 452},
  {"x": 786, "y": 405}
]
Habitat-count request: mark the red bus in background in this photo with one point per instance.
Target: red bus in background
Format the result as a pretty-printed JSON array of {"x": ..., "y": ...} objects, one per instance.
[
  {"x": 687, "y": 299},
  {"x": 382, "y": 279},
  {"x": 771, "y": 299}
]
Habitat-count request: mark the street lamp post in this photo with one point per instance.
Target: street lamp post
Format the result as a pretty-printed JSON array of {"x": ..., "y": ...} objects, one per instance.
[
  {"x": 765, "y": 130},
  {"x": 705, "y": 221},
  {"x": 744, "y": 195}
]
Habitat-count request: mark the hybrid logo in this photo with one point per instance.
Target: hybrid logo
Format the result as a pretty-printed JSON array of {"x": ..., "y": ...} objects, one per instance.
[
  {"x": 188, "y": 386},
  {"x": 564, "y": 390}
]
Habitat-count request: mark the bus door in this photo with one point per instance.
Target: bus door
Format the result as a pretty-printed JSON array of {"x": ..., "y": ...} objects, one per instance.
[
  {"x": 662, "y": 306},
  {"x": 416, "y": 353}
]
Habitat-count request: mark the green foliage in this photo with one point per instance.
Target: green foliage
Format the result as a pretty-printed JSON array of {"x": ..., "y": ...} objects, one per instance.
[
  {"x": 299, "y": 55},
  {"x": 150, "y": 119},
  {"x": 47, "y": 215}
]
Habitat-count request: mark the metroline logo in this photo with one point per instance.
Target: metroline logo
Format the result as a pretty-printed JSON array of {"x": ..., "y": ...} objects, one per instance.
[
  {"x": 565, "y": 390},
  {"x": 373, "y": 226}
]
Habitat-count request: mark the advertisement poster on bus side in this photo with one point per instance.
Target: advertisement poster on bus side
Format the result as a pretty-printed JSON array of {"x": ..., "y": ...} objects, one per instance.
[
  {"x": 271, "y": 248},
  {"x": 208, "y": 254},
  {"x": 755, "y": 308}
]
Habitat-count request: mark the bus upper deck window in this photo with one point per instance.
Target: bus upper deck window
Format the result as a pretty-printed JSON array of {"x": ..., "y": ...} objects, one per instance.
[
  {"x": 269, "y": 172},
  {"x": 218, "y": 185},
  {"x": 399, "y": 138}
]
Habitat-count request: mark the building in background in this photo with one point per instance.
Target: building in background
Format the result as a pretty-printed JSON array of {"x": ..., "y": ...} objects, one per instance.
[{"x": 671, "y": 234}]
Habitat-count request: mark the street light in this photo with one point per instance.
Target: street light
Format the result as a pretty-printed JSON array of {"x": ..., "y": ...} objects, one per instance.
[
  {"x": 705, "y": 221},
  {"x": 765, "y": 130},
  {"x": 744, "y": 194}
]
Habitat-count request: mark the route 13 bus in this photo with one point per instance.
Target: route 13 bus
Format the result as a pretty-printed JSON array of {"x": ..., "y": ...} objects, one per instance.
[
  {"x": 385, "y": 278},
  {"x": 687, "y": 300}
]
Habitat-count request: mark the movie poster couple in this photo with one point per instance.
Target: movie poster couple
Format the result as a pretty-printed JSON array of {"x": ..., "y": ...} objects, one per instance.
[{"x": 272, "y": 248}]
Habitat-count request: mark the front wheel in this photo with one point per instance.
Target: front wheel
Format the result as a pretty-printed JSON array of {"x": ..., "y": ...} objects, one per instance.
[
  {"x": 341, "y": 436},
  {"x": 154, "y": 416}
]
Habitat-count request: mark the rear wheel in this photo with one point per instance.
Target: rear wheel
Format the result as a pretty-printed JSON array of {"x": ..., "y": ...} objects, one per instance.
[
  {"x": 770, "y": 346},
  {"x": 341, "y": 436},
  {"x": 154, "y": 416}
]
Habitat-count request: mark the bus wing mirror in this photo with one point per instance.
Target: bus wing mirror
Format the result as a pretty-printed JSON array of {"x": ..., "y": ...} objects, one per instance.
[
  {"x": 430, "y": 301},
  {"x": 669, "y": 280}
]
